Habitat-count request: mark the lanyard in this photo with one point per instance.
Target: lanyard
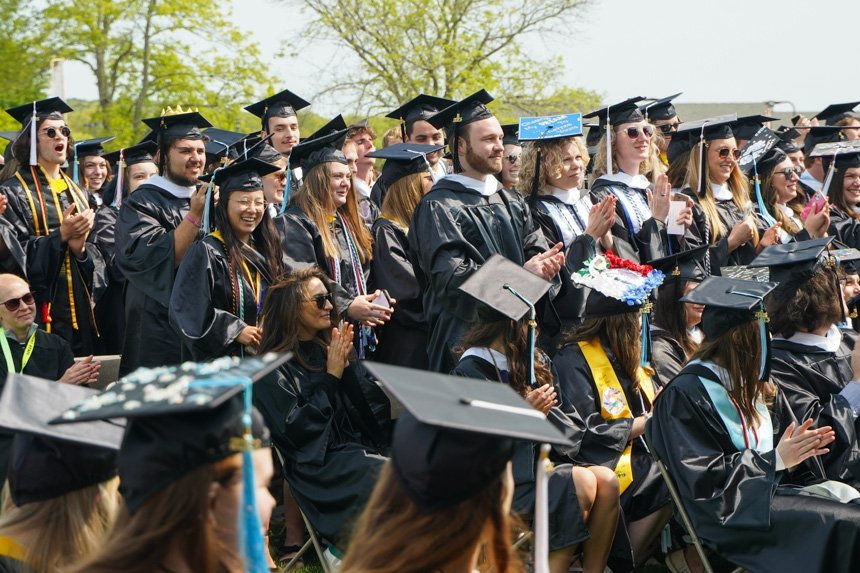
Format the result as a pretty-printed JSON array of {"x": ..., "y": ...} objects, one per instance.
[{"x": 7, "y": 352}]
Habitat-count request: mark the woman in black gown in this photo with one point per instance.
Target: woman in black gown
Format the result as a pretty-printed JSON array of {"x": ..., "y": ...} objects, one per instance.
[
  {"x": 714, "y": 431},
  {"x": 216, "y": 298}
]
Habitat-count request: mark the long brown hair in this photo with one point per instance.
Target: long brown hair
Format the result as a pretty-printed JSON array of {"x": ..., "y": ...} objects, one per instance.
[
  {"x": 176, "y": 517},
  {"x": 671, "y": 315},
  {"x": 837, "y": 194},
  {"x": 314, "y": 200},
  {"x": 738, "y": 350},
  {"x": 392, "y": 534},
  {"x": 514, "y": 335},
  {"x": 402, "y": 197},
  {"x": 770, "y": 196},
  {"x": 65, "y": 528},
  {"x": 619, "y": 332}
]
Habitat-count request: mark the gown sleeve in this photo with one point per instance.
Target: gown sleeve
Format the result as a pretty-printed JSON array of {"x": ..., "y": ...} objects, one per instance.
[{"x": 391, "y": 269}]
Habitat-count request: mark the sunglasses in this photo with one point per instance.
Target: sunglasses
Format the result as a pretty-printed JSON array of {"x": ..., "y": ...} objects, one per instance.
[
  {"x": 724, "y": 152},
  {"x": 14, "y": 303},
  {"x": 789, "y": 171},
  {"x": 321, "y": 299},
  {"x": 668, "y": 128},
  {"x": 51, "y": 132},
  {"x": 513, "y": 157},
  {"x": 633, "y": 132}
]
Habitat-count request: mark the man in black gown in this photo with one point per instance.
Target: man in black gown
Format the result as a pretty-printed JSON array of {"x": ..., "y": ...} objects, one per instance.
[
  {"x": 156, "y": 226},
  {"x": 465, "y": 218}
]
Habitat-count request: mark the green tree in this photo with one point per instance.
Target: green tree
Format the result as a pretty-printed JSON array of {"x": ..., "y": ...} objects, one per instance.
[
  {"x": 146, "y": 55},
  {"x": 448, "y": 48},
  {"x": 25, "y": 56}
]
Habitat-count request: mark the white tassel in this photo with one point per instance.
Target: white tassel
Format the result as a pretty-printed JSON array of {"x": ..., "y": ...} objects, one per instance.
[
  {"x": 608, "y": 144},
  {"x": 541, "y": 525},
  {"x": 34, "y": 153},
  {"x": 120, "y": 167}
]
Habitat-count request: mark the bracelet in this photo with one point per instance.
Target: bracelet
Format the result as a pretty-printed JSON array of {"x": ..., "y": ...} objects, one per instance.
[{"x": 197, "y": 223}]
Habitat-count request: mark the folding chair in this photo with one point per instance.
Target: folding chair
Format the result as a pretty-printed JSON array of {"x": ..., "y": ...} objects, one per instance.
[{"x": 679, "y": 504}]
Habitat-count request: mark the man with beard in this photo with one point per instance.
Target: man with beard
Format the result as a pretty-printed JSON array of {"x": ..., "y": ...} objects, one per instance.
[
  {"x": 50, "y": 217},
  {"x": 156, "y": 226},
  {"x": 464, "y": 219}
]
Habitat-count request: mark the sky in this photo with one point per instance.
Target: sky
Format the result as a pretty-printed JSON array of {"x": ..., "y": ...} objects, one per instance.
[{"x": 727, "y": 51}]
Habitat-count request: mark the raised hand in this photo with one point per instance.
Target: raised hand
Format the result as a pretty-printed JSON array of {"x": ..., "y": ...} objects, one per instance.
[
  {"x": 547, "y": 264},
  {"x": 339, "y": 350},
  {"x": 800, "y": 443}
]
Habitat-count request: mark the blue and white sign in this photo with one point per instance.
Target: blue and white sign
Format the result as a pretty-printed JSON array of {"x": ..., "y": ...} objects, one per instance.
[{"x": 550, "y": 127}]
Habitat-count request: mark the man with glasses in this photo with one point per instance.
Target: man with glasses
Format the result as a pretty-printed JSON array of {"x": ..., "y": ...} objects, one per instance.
[
  {"x": 51, "y": 219},
  {"x": 662, "y": 115}
]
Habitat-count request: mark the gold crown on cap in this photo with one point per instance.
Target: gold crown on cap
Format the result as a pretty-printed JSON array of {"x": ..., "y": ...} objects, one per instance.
[{"x": 170, "y": 111}]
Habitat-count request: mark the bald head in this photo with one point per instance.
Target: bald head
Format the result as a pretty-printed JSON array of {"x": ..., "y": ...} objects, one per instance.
[{"x": 12, "y": 286}]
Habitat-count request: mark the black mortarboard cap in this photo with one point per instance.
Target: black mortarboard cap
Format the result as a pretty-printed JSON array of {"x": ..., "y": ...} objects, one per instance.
[
  {"x": 457, "y": 435},
  {"x": 820, "y": 134},
  {"x": 624, "y": 112},
  {"x": 679, "y": 145},
  {"x": 660, "y": 109},
  {"x": 792, "y": 264},
  {"x": 728, "y": 302},
  {"x": 245, "y": 175},
  {"x": 222, "y": 143},
  {"x": 177, "y": 124},
  {"x": 836, "y": 111},
  {"x": 48, "y": 461},
  {"x": 335, "y": 124},
  {"x": 786, "y": 142},
  {"x": 403, "y": 159},
  {"x": 847, "y": 153},
  {"x": 90, "y": 147},
  {"x": 51, "y": 108},
  {"x": 684, "y": 266},
  {"x": 511, "y": 131},
  {"x": 419, "y": 108},
  {"x": 265, "y": 152},
  {"x": 463, "y": 112},
  {"x": 719, "y": 127},
  {"x": 757, "y": 151},
  {"x": 178, "y": 418},
  {"x": 315, "y": 151},
  {"x": 140, "y": 153},
  {"x": 746, "y": 127},
  {"x": 282, "y": 104},
  {"x": 493, "y": 285}
]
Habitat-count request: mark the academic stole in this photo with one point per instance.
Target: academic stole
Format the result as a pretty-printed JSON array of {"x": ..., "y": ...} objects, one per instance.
[
  {"x": 7, "y": 352},
  {"x": 57, "y": 186},
  {"x": 613, "y": 403},
  {"x": 250, "y": 278}
]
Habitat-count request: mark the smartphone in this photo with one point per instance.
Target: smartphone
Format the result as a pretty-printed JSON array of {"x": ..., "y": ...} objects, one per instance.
[
  {"x": 384, "y": 299},
  {"x": 814, "y": 205}
]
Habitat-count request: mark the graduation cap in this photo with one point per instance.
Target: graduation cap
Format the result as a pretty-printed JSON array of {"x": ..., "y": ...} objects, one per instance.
[
  {"x": 88, "y": 148},
  {"x": 318, "y": 149},
  {"x": 760, "y": 155},
  {"x": 792, "y": 264},
  {"x": 684, "y": 266},
  {"x": 140, "y": 153},
  {"x": 679, "y": 145},
  {"x": 51, "y": 108},
  {"x": 264, "y": 152},
  {"x": 732, "y": 302},
  {"x": 48, "y": 461},
  {"x": 511, "y": 131},
  {"x": 836, "y": 112},
  {"x": 403, "y": 159},
  {"x": 244, "y": 175},
  {"x": 176, "y": 124},
  {"x": 660, "y": 109},
  {"x": 820, "y": 134},
  {"x": 457, "y": 434},
  {"x": 747, "y": 126},
  {"x": 282, "y": 104},
  {"x": 419, "y": 108},
  {"x": 334, "y": 125},
  {"x": 183, "y": 417},
  {"x": 468, "y": 110},
  {"x": 698, "y": 132},
  {"x": 786, "y": 142},
  {"x": 624, "y": 112},
  {"x": 220, "y": 144}
]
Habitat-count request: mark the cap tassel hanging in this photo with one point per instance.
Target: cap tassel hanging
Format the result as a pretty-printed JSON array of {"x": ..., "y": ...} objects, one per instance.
[
  {"x": 645, "y": 336},
  {"x": 455, "y": 155},
  {"x": 252, "y": 541},
  {"x": 120, "y": 168},
  {"x": 608, "y": 144},
  {"x": 764, "y": 370},
  {"x": 75, "y": 168},
  {"x": 825, "y": 188},
  {"x": 762, "y": 208},
  {"x": 287, "y": 187},
  {"x": 541, "y": 525},
  {"x": 209, "y": 200},
  {"x": 34, "y": 154},
  {"x": 532, "y": 328}
]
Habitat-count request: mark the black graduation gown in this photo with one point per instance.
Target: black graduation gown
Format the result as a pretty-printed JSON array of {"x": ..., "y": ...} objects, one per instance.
[
  {"x": 110, "y": 299},
  {"x": 649, "y": 243},
  {"x": 568, "y": 307},
  {"x": 50, "y": 265},
  {"x": 145, "y": 253},
  {"x": 331, "y": 459},
  {"x": 667, "y": 356},
  {"x": 203, "y": 306},
  {"x": 403, "y": 339},
  {"x": 844, "y": 227},
  {"x": 566, "y": 525},
  {"x": 810, "y": 379},
  {"x": 733, "y": 497},
  {"x": 604, "y": 441},
  {"x": 455, "y": 229},
  {"x": 51, "y": 357}
]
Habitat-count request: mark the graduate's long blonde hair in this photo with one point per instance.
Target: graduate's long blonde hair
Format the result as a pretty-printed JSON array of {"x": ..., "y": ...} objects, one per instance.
[{"x": 651, "y": 167}]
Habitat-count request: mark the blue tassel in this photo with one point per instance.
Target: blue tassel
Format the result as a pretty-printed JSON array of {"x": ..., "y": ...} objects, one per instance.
[
  {"x": 287, "y": 188},
  {"x": 532, "y": 326},
  {"x": 762, "y": 373},
  {"x": 645, "y": 338},
  {"x": 761, "y": 206},
  {"x": 253, "y": 543},
  {"x": 207, "y": 208},
  {"x": 75, "y": 166}
]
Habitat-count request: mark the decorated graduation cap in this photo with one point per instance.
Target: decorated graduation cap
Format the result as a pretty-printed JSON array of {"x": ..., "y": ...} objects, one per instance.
[
  {"x": 177, "y": 124},
  {"x": 836, "y": 112},
  {"x": 88, "y": 148},
  {"x": 760, "y": 155},
  {"x": 419, "y": 108},
  {"x": 457, "y": 436},
  {"x": 140, "y": 153},
  {"x": 619, "y": 286},
  {"x": 626, "y": 111},
  {"x": 511, "y": 134},
  {"x": 183, "y": 417},
  {"x": 282, "y": 104},
  {"x": 468, "y": 110},
  {"x": 660, "y": 109},
  {"x": 684, "y": 266},
  {"x": 30, "y": 115},
  {"x": 547, "y": 128},
  {"x": 732, "y": 302},
  {"x": 402, "y": 160},
  {"x": 510, "y": 291},
  {"x": 747, "y": 126},
  {"x": 48, "y": 461},
  {"x": 838, "y": 155}
]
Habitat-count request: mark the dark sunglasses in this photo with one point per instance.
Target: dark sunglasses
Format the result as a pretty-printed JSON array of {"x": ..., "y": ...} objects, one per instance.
[
  {"x": 724, "y": 152},
  {"x": 51, "y": 132},
  {"x": 321, "y": 299},
  {"x": 633, "y": 132},
  {"x": 796, "y": 170},
  {"x": 512, "y": 158},
  {"x": 668, "y": 128},
  {"x": 14, "y": 303}
]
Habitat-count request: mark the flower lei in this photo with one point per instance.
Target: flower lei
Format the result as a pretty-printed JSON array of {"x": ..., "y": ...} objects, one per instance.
[{"x": 619, "y": 278}]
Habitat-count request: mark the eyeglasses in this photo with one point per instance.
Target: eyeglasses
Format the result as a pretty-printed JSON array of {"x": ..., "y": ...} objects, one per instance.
[
  {"x": 513, "y": 157},
  {"x": 789, "y": 171},
  {"x": 14, "y": 303},
  {"x": 633, "y": 132},
  {"x": 247, "y": 203},
  {"x": 668, "y": 128},
  {"x": 724, "y": 152},
  {"x": 320, "y": 300},
  {"x": 51, "y": 132}
]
